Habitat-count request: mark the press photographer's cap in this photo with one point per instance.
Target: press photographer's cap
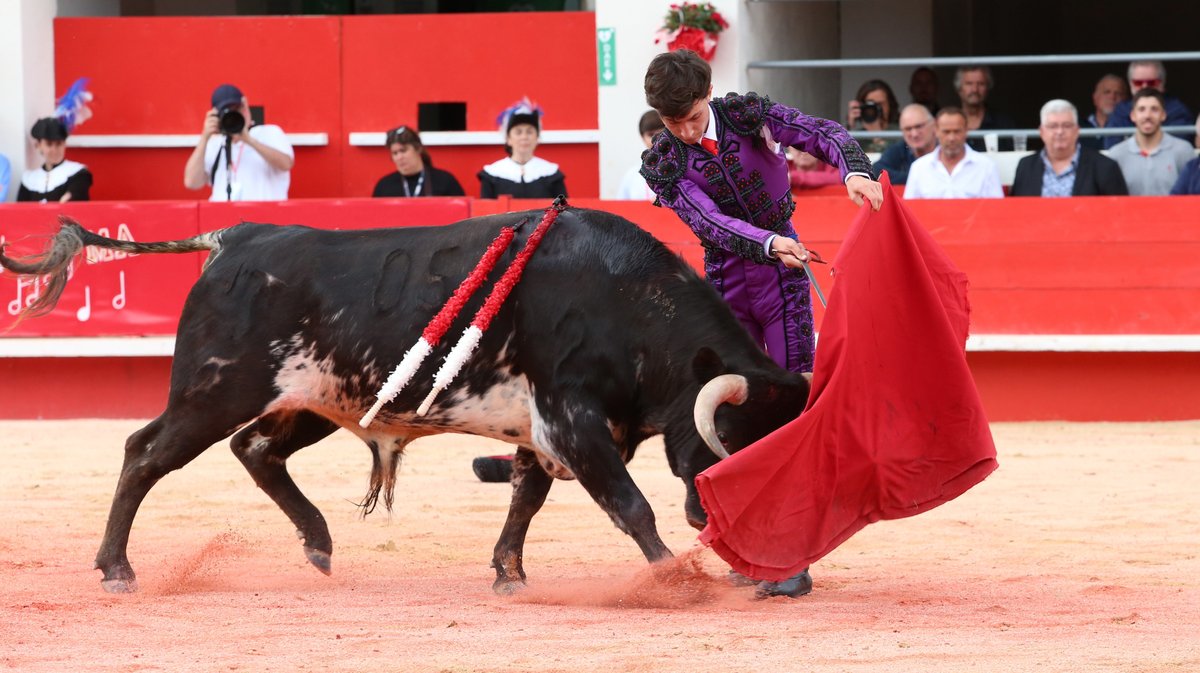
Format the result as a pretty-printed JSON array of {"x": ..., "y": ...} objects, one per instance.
[{"x": 225, "y": 95}]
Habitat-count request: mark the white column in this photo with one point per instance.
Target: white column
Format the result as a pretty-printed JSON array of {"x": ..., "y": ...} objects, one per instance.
[
  {"x": 27, "y": 80},
  {"x": 621, "y": 105}
]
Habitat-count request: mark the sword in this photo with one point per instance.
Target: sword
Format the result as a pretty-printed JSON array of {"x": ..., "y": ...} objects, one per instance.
[{"x": 812, "y": 280}]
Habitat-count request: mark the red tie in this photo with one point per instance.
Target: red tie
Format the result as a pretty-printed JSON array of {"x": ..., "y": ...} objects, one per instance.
[{"x": 709, "y": 144}]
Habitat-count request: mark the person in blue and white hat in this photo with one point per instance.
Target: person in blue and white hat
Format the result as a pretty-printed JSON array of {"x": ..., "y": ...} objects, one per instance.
[{"x": 521, "y": 174}]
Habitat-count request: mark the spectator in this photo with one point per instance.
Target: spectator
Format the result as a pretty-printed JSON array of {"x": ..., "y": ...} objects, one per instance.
[
  {"x": 633, "y": 185},
  {"x": 220, "y": 159},
  {"x": 1148, "y": 75},
  {"x": 1064, "y": 167},
  {"x": 521, "y": 174},
  {"x": 1151, "y": 160},
  {"x": 953, "y": 170},
  {"x": 1109, "y": 91},
  {"x": 808, "y": 172},
  {"x": 414, "y": 174},
  {"x": 917, "y": 124},
  {"x": 923, "y": 87},
  {"x": 5, "y": 177},
  {"x": 57, "y": 179},
  {"x": 1189, "y": 179},
  {"x": 973, "y": 84},
  {"x": 874, "y": 108}
]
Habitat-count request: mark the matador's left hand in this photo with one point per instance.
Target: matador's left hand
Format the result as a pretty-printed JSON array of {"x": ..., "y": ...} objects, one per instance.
[{"x": 861, "y": 188}]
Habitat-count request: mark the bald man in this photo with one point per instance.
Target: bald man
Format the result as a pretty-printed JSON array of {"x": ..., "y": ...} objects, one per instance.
[{"x": 917, "y": 124}]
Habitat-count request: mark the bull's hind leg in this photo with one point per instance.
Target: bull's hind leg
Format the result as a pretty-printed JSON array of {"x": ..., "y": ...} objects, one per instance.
[
  {"x": 264, "y": 447},
  {"x": 530, "y": 485},
  {"x": 168, "y": 443}
]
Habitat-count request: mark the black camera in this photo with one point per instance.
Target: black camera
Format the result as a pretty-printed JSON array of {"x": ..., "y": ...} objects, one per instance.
[
  {"x": 231, "y": 121},
  {"x": 869, "y": 110}
]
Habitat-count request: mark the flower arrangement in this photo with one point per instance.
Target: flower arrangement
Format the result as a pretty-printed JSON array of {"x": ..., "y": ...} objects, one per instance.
[{"x": 692, "y": 25}]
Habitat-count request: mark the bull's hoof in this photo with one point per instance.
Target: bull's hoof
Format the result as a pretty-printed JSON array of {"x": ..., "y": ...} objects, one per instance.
[
  {"x": 120, "y": 585},
  {"x": 739, "y": 580},
  {"x": 320, "y": 560},
  {"x": 794, "y": 587},
  {"x": 508, "y": 587}
]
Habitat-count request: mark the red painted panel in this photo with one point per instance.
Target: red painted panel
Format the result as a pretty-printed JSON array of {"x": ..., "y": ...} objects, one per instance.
[
  {"x": 489, "y": 61},
  {"x": 164, "y": 84},
  {"x": 338, "y": 213},
  {"x": 48, "y": 388},
  {"x": 1088, "y": 386},
  {"x": 111, "y": 293}
]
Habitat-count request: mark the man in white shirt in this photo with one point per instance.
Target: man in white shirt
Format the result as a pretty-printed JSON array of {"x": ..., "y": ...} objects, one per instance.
[
  {"x": 242, "y": 161},
  {"x": 1150, "y": 160},
  {"x": 953, "y": 170}
]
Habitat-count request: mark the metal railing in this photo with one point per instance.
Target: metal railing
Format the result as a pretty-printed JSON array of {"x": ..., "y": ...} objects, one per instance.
[{"x": 980, "y": 60}]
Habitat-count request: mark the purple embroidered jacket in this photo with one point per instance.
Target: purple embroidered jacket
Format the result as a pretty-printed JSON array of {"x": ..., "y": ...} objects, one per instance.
[{"x": 735, "y": 200}]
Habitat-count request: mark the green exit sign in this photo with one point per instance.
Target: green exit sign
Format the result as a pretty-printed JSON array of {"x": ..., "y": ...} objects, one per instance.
[{"x": 606, "y": 55}]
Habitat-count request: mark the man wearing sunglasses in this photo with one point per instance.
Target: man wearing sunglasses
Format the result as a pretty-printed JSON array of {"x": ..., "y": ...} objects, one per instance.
[{"x": 1148, "y": 75}]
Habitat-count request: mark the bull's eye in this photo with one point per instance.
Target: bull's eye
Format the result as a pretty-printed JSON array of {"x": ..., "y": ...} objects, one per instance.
[{"x": 723, "y": 438}]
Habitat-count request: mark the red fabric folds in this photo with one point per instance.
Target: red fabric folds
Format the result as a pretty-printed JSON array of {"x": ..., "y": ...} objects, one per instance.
[{"x": 893, "y": 427}]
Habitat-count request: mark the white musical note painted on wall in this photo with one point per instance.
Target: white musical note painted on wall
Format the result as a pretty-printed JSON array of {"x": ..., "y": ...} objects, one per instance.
[
  {"x": 118, "y": 300},
  {"x": 85, "y": 312}
]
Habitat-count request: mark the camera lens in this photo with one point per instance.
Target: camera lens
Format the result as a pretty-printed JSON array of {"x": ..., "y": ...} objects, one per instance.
[
  {"x": 869, "y": 111},
  {"x": 232, "y": 122}
]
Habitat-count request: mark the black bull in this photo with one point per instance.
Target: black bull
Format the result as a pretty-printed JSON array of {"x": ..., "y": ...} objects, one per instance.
[{"x": 608, "y": 339}]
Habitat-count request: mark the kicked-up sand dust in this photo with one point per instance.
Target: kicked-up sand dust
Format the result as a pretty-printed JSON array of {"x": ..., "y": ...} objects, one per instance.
[{"x": 1079, "y": 554}]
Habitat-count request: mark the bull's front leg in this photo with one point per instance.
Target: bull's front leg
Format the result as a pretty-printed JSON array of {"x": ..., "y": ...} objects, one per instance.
[
  {"x": 530, "y": 485},
  {"x": 584, "y": 441}
]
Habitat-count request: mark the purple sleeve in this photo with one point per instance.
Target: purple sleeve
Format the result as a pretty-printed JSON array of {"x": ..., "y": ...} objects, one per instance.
[
  {"x": 713, "y": 227},
  {"x": 826, "y": 140}
]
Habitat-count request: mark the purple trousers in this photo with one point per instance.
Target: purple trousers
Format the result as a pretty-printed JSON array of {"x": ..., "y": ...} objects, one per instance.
[{"x": 772, "y": 302}]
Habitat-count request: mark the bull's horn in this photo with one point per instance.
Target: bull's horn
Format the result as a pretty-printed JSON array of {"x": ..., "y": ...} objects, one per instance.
[{"x": 730, "y": 388}]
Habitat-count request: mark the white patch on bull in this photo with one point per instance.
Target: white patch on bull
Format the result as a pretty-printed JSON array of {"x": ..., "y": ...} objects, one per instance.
[
  {"x": 306, "y": 382},
  {"x": 544, "y": 446},
  {"x": 272, "y": 280},
  {"x": 337, "y": 315}
]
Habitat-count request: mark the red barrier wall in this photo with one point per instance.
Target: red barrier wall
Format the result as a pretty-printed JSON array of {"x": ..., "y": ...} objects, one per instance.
[
  {"x": 1056, "y": 266},
  {"x": 341, "y": 75}
]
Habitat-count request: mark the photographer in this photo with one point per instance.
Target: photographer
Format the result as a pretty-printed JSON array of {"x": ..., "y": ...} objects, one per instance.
[
  {"x": 874, "y": 108},
  {"x": 221, "y": 158}
]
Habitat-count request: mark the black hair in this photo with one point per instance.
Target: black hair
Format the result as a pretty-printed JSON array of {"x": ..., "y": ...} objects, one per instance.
[
  {"x": 50, "y": 129},
  {"x": 676, "y": 80}
]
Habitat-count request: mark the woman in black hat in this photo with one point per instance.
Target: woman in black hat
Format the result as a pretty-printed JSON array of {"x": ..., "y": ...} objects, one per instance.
[
  {"x": 56, "y": 179},
  {"x": 414, "y": 174},
  {"x": 520, "y": 174}
]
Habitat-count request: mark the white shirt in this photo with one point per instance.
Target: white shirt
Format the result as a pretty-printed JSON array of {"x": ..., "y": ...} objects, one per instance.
[
  {"x": 534, "y": 169},
  {"x": 634, "y": 188},
  {"x": 253, "y": 179},
  {"x": 975, "y": 176}
]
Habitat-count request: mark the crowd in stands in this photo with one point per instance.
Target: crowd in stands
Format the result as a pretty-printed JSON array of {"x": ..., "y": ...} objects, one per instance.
[{"x": 242, "y": 160}]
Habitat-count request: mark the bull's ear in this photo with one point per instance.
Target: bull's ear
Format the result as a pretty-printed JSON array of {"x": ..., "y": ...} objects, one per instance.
[{"x": 707, "y": 365}]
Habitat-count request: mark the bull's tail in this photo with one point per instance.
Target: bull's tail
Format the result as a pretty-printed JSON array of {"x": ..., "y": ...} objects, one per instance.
[{"x": 54, "y": 263}]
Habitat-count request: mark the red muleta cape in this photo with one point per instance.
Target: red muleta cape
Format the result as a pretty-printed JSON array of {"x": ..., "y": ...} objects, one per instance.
[{"x": 893, "y": 427}]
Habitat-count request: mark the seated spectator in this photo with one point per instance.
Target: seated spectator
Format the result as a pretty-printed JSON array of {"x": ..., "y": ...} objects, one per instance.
[
  {"x": 808, "y": 172},
  {"x": 633, "y": 185},
  {"x": 57, "y": 179},
  {"x": 1109, "y": 91},
  {"x": 414, "y": 174},
  {"x": 1064, "y": 167},
  {"x": 953, "y": 170},
  {"x": 1189, "y": 179},
  {"x": 874, "y": 108},
  {"x": 919, "y": 139},
  {"x": 5, "y": 177},
  {"x": 973, "y": 84},
  {"x": 1151, "y": 160},
  {"x": 923, "y": 87},
  {"x": 1148, "y": 75},
  {"x": 221, "y": 159},
  {"x": 521, "y": 174}
]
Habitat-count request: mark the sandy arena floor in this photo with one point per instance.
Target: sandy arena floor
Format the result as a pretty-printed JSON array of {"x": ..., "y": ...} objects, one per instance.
[{"x": 1078, "y": 554}]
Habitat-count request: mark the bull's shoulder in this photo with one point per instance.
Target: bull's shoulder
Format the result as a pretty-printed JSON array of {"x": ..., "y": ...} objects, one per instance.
[
  {"x": 664, "y": 162},
  {"x": 744, "y": 114}
]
